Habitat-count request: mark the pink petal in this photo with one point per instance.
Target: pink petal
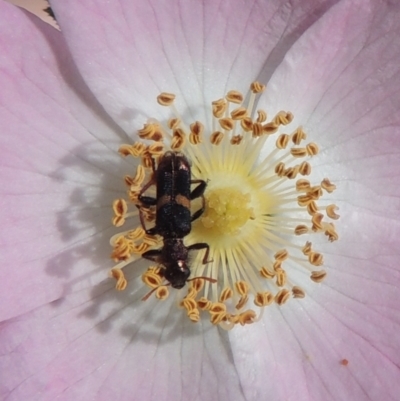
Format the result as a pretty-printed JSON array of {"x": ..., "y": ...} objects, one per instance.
[
  {"x": 102, "y": 345},
  {"x": 59, "y": 170},
  {"x": 341, "y": 80},
  {"x": 196, "y": 49},
  {"x": 346, "y": 96}
]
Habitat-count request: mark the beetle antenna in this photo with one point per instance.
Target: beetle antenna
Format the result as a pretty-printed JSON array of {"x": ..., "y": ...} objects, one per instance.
[
  {"x": 211, "y": 280},
  {"x": 147, "y": 296}
]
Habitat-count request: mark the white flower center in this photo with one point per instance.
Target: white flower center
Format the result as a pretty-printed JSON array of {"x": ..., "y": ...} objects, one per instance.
[{"x": 255, "y": 209}]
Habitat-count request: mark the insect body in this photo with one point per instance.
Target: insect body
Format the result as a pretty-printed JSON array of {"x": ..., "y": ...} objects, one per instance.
[{"x": 173, "y": 217}]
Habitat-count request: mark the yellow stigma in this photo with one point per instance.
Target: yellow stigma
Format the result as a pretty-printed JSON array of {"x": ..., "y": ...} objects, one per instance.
[
  {"x": 263, "y": 210},
  {"x": 227, "y": 211}
]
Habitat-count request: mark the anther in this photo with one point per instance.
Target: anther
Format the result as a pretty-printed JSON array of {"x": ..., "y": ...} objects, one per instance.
[
  {"x": 174, "y": 123},
  {"x": 281, "y": 255},
  {"x": 126, "y": 150},
  {"x": 147, "y": 131},
  {"x": 270, "y": 128},
  {"x": 257, "y": 130},
  {"x": 192, "y": 293},
  {"x": 304, "y": 200},
  {"x": 302, "y": 185},
  {"x": 316, "y": 259},
  {"x": 247, "y": 124},
  {"x": 318, "y": 276},
  {"x": 317, "y": 221},
  {"x": 292, "y": 172},
  {"x": 242, "y": 287},
  {"x": 216, "y": 137},
  {"x": 204, "y": 303},
  {"x": 307, "y": 248},
  {"x": 118, "y": 274},
  {"x": 257, "y": 87},
  {"x": 301, "y": 229},
  {"x": 120, "y": 207},
  {"x": 298, "y": 292},
  {"x": 151, "y": 279},
  {"x": 266, "y": 273},
  {"x": 219, "y": 107},
  {"x": 139, "y": 176},
  {"x": 178, "y": 139},
  {"x": 305, "y": 168},
  {"x": 196, "y": 133},
  {"x": 280, "y": 169},
  {"x": 327, "y": 185},
  {"x": 226, "y": 293},
  {"x": 282, "y": 296},
  {"x": 298, "y": 136},
  {"x": 136, "y": 234},
  {"x": 262, "y": 116},
  {"x": 283, "y": 118},
  {"x": 138, "y": 149},
  {"x": 239, "y": 113},
  {"x": 162, "y": 292},
  {"x": 217, "y": 312},
  {"x": 156, "y": 149},
  {"x": 298, "y": 152},
  {"x": 165, "y": 99},
  {"x": 247, "y": 317},
  {"x": 282, "y": 141},
  {"x": 226, "y": 123},
  {"x": 330, "y": 211},
  {"x": 312, "y": 208},
  {"x": 194, "y": 315},
  {"x": 280, "y": 277},
  {"x": 189, "y": 304},
  {"x": 263, "y": 299},
  {"x": 330, "y": 231},
  {"x": 197, "y": 128},
  {"x": 197, "y": 284},
  {"x": 312, "y": 149},
  {"x": 234, "y": 97},
  {"x": 147, "y": 160},
  {"x": 236, "y": 139},
  {"x": 315, "y": 192},
  {"x": 242, "y": 302},
  {"x": 280, "y": 118},
  {"x": 152, "y": 132},
  {"x": 277, "y": 265}
]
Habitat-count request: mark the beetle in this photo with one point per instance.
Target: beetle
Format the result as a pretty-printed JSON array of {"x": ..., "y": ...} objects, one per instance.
[{"x": 173, "y": 216}]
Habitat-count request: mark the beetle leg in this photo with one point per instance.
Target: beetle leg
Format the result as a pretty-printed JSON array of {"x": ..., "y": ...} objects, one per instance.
[
  {"x": 153, "y": 255},
  {"x": 199, "y": 190},
  {"x": 196, "y": 193},
  {"x": 201, "y": 245},
  {"x": 199, "y": 212},
  {"x": 147, "y": 200},
  {"x": 150, "y": 231}
]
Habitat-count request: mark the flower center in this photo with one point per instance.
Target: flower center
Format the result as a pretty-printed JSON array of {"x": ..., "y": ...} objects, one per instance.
[
  {"x": 244, "y": 230},
  {"x": 227, "y": 211}
]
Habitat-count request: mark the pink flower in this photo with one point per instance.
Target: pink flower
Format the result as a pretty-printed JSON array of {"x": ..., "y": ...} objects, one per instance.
[{"x": 68, "y": 101}]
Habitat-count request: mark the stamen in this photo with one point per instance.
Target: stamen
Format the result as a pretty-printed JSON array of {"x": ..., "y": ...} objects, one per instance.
[
  {"x": 165, "y": 99},
  {"x": 219, "y": 107},
  {"x": 258, "y": 207},
  {"x": 298, "y": 292},
  {"x": 234, "y": 97},
  {"x": 118, "y": 274}
]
